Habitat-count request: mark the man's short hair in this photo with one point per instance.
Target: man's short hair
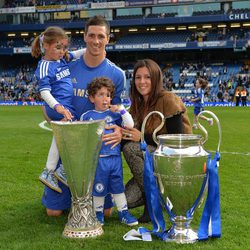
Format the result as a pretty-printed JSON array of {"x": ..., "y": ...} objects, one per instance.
[{"x": 97, "y": 21}]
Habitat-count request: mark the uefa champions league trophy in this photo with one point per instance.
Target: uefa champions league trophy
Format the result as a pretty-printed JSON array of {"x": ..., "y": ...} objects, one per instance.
[
  {"x": 181, "y": 176},
  {"x": 79, "y": 145}
]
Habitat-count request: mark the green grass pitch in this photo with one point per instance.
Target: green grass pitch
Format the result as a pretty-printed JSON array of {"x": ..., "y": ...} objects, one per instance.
[{"x": 24, "y": 224}]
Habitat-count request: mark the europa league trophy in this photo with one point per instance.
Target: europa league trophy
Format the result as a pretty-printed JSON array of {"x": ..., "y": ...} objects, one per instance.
[
  {"x": 79, "y": 145},
  {"x": 181, "y": 176}
]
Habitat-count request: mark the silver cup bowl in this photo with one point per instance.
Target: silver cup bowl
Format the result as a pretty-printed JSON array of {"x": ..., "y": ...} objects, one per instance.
[{"x": 180, "y": 170}]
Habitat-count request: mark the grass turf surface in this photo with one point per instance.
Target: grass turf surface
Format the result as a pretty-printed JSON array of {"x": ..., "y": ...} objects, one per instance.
[{"x": 23, "y": 221}]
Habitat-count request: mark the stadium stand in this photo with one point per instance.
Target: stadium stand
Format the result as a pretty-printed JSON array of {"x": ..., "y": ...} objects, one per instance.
[{"x": 205, "y": 38}]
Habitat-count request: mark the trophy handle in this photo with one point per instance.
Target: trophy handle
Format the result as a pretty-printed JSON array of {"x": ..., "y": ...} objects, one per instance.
[
  {"x": 205, "y": 131},
  {"x": 156, "y": 130}
]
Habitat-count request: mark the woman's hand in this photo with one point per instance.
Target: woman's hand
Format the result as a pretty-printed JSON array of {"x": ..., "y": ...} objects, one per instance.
[
  {"x": 131, "y": 134},
  {"x": 113, "y": 138}
]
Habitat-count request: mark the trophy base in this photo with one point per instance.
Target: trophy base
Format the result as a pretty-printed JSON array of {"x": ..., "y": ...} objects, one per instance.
[
  {"x": 181, "y": 236},
  {"x": 82, "y": 233}
]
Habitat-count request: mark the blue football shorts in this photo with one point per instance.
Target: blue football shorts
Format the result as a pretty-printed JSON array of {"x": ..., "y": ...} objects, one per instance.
[
  {"x": 109, "y": 176},
  {"x": 197, "y": 110}
]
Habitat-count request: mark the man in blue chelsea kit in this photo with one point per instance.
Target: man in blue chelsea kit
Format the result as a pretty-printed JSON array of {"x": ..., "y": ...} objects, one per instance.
[{"x": 93, "y": 64}]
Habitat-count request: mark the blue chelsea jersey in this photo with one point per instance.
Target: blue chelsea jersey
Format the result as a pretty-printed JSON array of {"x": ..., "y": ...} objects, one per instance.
[
  {"x": 110, "y": 118},
  {"x": 55, "y": 77},
  {"x": 199, "y": 93},
  {"x": 82, "y": 75}
]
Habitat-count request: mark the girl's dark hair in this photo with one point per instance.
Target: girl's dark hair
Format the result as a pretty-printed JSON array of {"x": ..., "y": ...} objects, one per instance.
[
  {"x": 203, "y": 82},
  {"x": 98, "y": 83},
  {"x": 50, "y": 35}
]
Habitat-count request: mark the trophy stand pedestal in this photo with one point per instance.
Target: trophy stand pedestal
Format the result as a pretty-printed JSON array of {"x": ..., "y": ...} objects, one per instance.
[
  {"x": 180, "y": 235},
  {"x": 82, "y": 233},
  {"x": 82, "y": 222}
]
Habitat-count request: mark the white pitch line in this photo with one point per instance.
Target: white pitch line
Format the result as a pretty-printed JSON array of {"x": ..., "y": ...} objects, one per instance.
[
  {"x": 233, "y": 153},
  {"x": 42, "y": 125}
]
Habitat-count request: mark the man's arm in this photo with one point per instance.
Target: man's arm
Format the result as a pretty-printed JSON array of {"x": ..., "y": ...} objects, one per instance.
[{"x": 45, "y": 115}]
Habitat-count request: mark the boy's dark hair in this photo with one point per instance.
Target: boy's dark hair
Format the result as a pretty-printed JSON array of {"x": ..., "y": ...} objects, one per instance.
[
  {"x": 98, "y": 83},
  {"x": 97, "y": 21}
]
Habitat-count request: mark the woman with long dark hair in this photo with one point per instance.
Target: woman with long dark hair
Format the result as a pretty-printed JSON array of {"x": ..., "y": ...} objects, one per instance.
[{"x": 147, "y": 94}]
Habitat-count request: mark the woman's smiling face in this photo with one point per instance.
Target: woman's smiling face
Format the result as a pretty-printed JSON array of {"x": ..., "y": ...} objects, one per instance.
[{"x": 143, "y": 82}]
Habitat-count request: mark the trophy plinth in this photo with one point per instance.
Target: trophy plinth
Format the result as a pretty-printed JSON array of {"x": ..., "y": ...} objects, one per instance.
[
  {"x": 82, "y": 221},
  {"x": 181, "y": 232},
  {"x": 79, "y": 145}
]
